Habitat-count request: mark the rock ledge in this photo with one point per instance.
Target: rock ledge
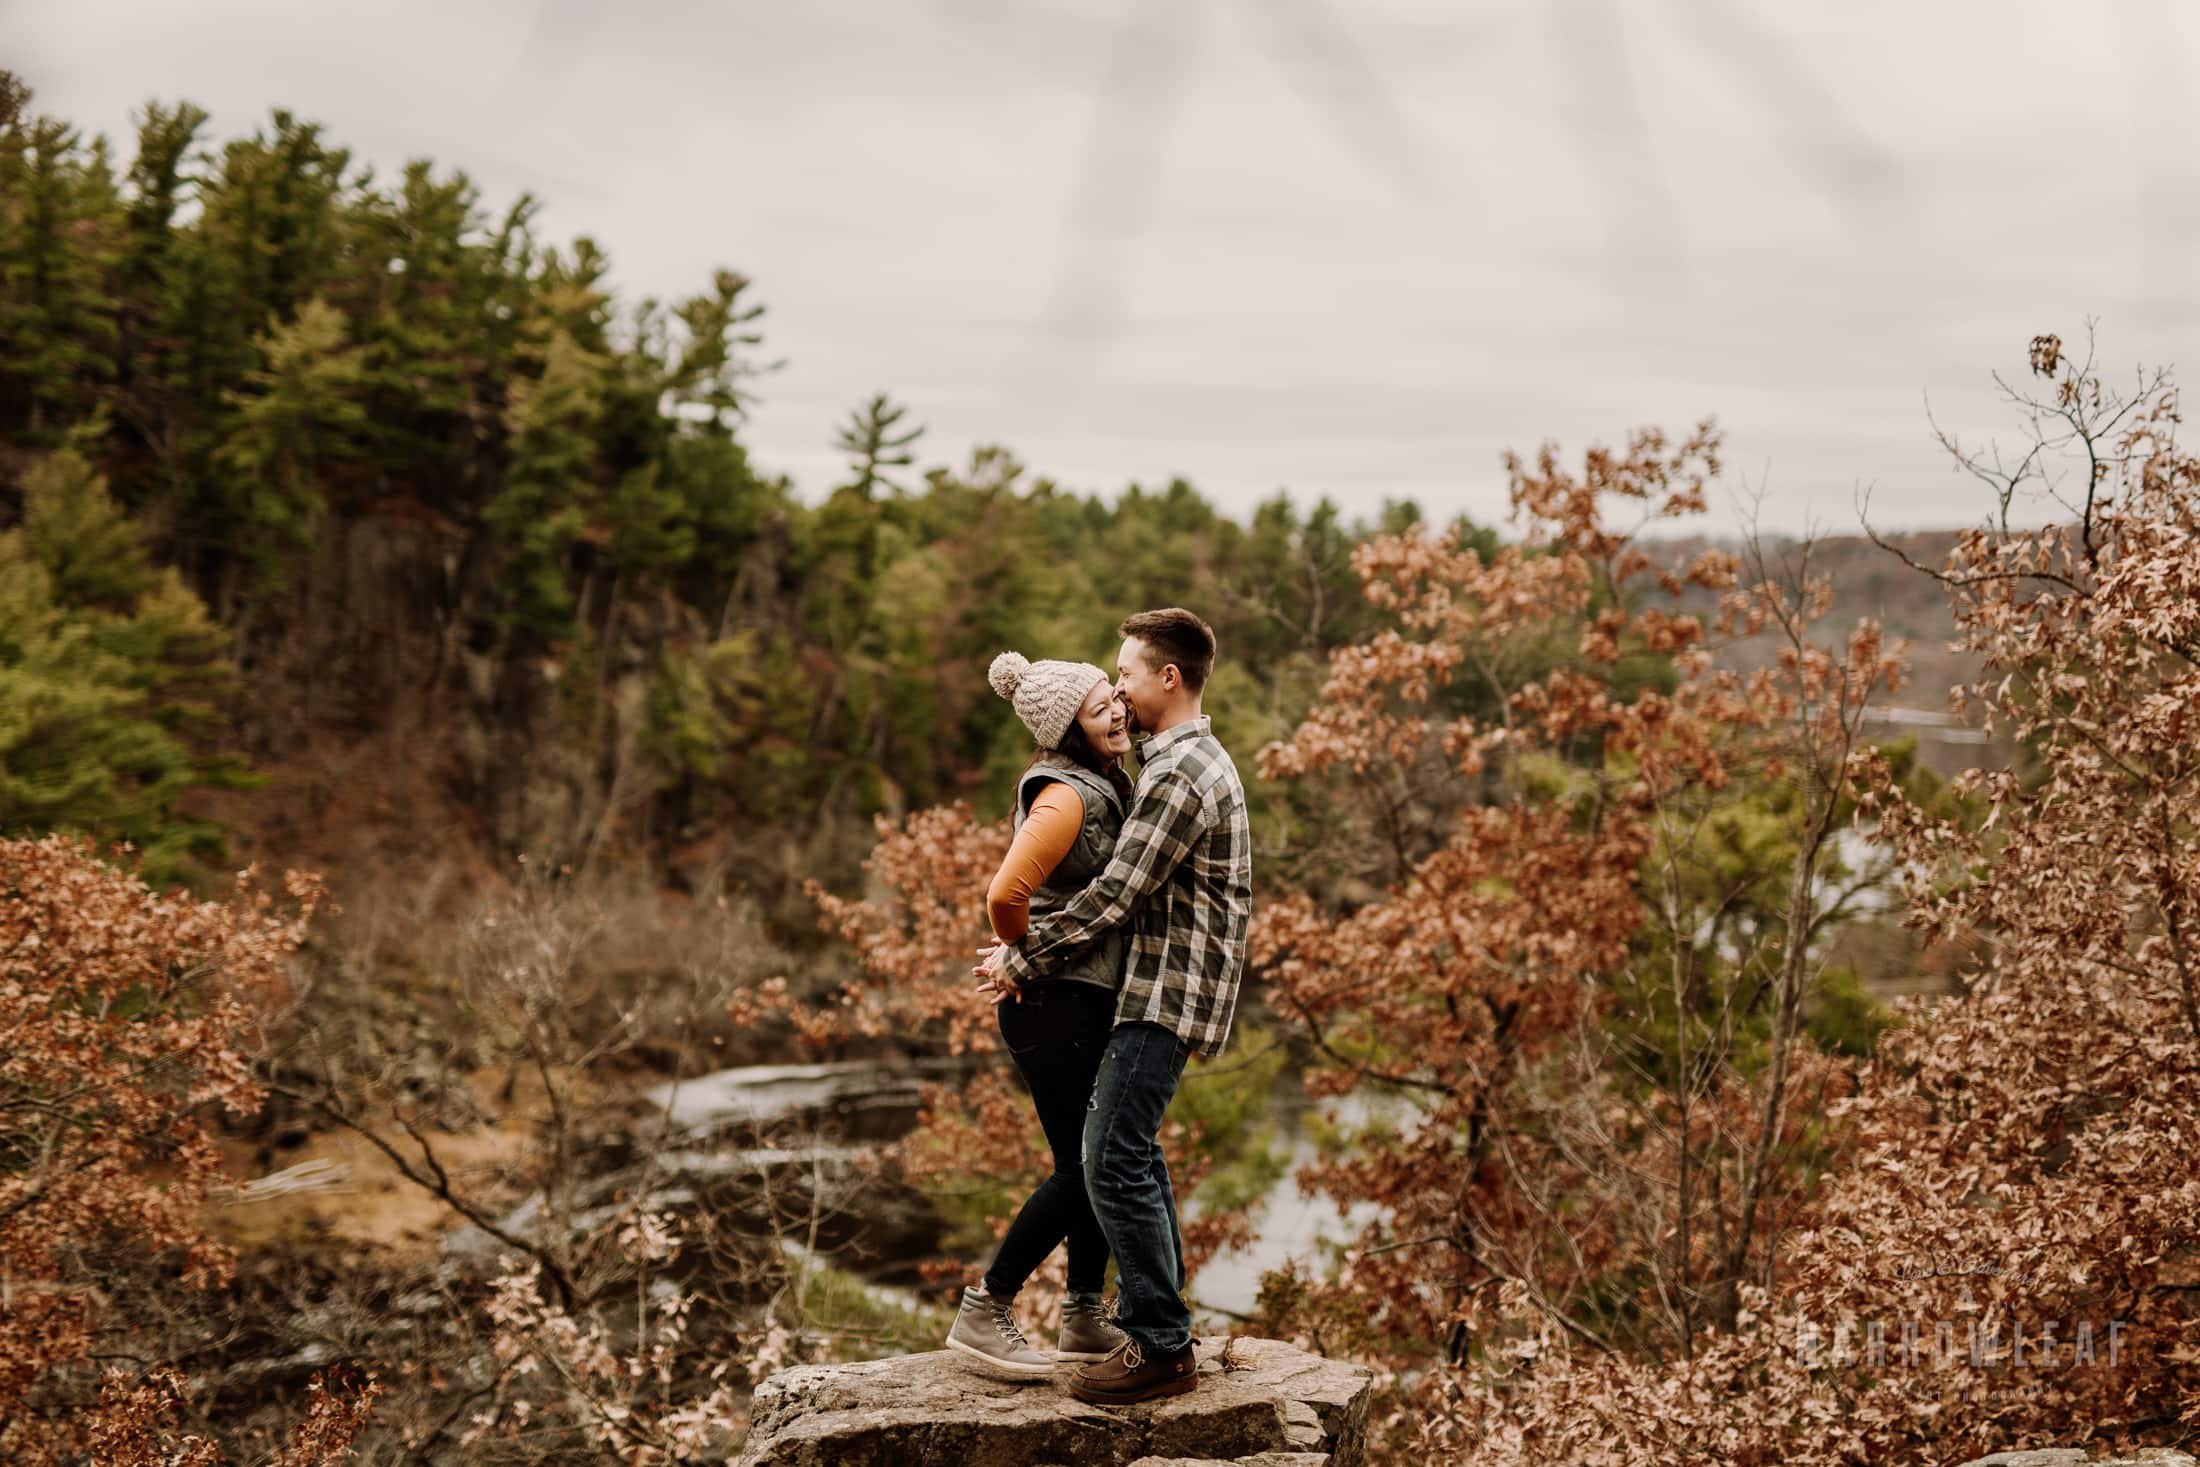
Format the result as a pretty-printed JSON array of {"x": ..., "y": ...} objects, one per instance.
[
  {"x": 2077, "y": 1457},
  {"x": 1268, "y": 1405}
]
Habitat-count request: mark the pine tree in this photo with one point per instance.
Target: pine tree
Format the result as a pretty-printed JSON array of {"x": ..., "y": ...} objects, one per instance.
[
  {"x": 15, "y": 98},
  {"x": 300, "y": 413},
  {"x": 874, "y": 447},
  {"x": 267, "y": 239},
  {"x": 548, "y": 490},
  {"x": 92, "y": 553},
  {"x": 151, "y": 261},
  {"x": 438, "y": 304},
  {"x": 713, "y": 360},
  {"x": 57, "y": 230},
  {"x": 650, "y": 533},
  {"x": 108, "y": 671},
  {"x": 274, "y": 214}
]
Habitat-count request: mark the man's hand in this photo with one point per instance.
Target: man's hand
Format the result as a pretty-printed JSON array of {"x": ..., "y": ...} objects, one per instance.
[{"x": 994, "y": 983}]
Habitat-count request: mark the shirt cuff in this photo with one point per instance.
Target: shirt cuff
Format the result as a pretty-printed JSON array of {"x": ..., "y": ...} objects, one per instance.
[{"x": 1017, "y": 967}]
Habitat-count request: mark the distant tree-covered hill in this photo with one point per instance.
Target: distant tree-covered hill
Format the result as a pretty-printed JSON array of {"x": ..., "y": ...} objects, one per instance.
[
  {"x": 1867, "y": 580},
  {"x": 408, "y": 509},
  {"x": 470, "y": 531}
]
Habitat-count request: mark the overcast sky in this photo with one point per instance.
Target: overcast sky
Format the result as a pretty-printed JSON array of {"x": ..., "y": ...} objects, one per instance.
[{"x": 1354, "y": 249}]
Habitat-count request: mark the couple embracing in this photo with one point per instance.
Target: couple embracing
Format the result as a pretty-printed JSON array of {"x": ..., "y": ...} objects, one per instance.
[{"x": 1121, "y": 915}]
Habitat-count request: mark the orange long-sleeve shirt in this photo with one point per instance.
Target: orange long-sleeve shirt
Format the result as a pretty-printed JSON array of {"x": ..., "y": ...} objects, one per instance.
[{"x": 1050, "y": 828}]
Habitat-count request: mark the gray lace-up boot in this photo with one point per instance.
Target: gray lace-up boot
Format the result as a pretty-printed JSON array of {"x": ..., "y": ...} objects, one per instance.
[
  {"x": 1088, "y": 1329},
  {"x": 985, "y": 1330}
]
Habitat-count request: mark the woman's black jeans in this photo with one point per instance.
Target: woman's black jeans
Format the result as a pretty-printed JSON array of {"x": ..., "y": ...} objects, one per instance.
[{"x": 1056, "y": 1036}]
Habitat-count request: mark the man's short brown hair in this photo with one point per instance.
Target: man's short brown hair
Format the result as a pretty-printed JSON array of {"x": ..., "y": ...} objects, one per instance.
[{"x": 1173, "y": 634}]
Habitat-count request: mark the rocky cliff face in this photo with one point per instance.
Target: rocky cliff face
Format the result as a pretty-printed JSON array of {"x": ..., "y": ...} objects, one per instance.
[{"x": 1260, "y": 1403}]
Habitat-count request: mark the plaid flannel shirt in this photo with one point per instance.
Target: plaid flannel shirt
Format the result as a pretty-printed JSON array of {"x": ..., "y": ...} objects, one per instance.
[{"x": 1182, "y": 879}]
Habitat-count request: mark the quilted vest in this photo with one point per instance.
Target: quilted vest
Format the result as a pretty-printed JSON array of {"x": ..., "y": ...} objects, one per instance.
[{"x": 1101, "y": 960}]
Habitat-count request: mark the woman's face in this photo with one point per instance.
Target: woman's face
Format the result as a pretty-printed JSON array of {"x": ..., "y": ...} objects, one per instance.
[{"x": 1104, "y": 723}]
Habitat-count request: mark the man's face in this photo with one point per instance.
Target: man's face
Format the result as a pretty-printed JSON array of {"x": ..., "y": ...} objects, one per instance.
[{"x": 1144, "y": 690}]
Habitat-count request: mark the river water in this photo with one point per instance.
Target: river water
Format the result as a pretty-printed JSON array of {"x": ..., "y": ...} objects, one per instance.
[{"x": 1291, "y": 1226}]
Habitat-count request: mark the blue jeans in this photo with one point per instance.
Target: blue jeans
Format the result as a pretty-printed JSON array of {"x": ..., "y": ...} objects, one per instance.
[{"x": 1129, "y": 1183}]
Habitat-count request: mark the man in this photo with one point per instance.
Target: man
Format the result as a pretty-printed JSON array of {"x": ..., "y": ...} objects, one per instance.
[{"x": 1181, "y": 879}]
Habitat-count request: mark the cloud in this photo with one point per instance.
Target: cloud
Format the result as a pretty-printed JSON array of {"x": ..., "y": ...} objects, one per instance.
[{"x": 1353, "y": 250}]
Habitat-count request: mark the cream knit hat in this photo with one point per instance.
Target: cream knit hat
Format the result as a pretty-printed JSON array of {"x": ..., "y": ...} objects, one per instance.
[{"x": 1045, "y": 695}]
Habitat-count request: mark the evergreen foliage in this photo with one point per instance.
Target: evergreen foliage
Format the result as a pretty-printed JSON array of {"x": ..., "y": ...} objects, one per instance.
[
  {"x": 261, "y": 345},
  {"x": 110, "y": 677}
]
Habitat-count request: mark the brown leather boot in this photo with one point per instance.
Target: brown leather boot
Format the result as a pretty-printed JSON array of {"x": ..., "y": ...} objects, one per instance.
[{"x": 1128, "y": 1374}]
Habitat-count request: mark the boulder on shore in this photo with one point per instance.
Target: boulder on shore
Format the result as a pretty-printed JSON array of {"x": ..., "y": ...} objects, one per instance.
[{"x": 1262, "y": 1404}]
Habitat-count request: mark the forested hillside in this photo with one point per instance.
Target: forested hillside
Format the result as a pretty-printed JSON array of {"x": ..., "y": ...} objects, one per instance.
[{"x": 426, "y": 484}]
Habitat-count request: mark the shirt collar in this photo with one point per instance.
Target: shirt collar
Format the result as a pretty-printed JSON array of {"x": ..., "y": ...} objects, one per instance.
[{"x": 1191, "y": 728}]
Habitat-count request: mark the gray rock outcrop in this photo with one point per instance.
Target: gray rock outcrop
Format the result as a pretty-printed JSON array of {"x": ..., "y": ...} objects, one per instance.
[
  {"x": 754, "y": 1144},
  {"x": 1266, "y": 1405},
  {"x": 857, "y": 1100}
]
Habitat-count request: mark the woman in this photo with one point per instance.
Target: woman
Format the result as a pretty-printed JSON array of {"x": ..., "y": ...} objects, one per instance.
[{"x": 1070, "y": 804}]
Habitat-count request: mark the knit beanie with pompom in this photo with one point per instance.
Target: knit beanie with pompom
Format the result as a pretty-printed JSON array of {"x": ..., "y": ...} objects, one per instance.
[{"x": 1045, "y": 695}]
